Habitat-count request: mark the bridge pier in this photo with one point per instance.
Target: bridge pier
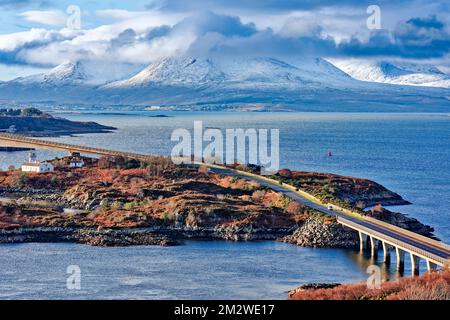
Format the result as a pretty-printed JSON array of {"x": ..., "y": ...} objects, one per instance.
[
  {"x": 400, "y": 259},
  {"x": 386, "y": 252},
  {"x": 363, "y": 243},
  {"x": 415, "y": 261},
  {"x": 373, "y": 247},
  {"x": 431, "y": 266}
]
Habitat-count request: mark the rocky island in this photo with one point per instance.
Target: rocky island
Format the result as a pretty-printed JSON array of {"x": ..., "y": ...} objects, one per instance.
[
  {"x": 33, "y": 122},
  {"x": 119, "y": 202}
]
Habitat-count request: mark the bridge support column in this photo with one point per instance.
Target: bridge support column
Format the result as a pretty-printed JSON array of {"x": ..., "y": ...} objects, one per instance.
[
  {"x": 386, "y": 252},
  {"x": 362, "y": 241},
  {"x": 400, "y": 259},
  {"x": 431, "y": 266},
  {"x": 415, "y": 260},
  {"x": 373, "y": 247}
]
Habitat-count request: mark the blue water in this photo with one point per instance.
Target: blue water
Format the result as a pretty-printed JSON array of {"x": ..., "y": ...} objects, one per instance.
[
  {"x": 197, "y": 270},
  {"x": 407, "y": 153}
]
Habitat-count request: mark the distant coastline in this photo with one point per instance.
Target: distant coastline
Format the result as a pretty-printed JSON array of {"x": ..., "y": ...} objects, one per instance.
[{"x": 34, "y": 122}]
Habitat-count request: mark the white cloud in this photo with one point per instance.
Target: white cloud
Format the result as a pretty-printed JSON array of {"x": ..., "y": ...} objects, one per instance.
[
  {"x": 303, "y": 26},
  {"x": 313, "y": 32},
  {"x": 12, "y": 41},
  {"x": 50, "y": 17}
]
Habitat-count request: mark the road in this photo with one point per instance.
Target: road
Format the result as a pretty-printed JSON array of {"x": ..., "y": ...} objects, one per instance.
[{"x": 445, "y": 254}]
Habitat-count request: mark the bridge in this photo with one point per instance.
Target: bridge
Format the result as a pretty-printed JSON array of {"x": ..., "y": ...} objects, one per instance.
[{"x": 374, "y": 234}]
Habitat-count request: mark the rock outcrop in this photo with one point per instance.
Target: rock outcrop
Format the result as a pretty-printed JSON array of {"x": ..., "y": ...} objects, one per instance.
[
  {"x": 314, "y": 232},
  {"x": 88, "y": 236}
]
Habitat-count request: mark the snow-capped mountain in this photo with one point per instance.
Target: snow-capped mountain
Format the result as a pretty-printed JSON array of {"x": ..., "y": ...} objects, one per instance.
[
  {"x": 394, "y": 73},
  {"x": 63, "y": 74},
  {"x": 185, "y": 71},
  {"x": 251, "y": 72},
  {"x": 78, "y": 73},
  {"x": 303, "y": 83}
]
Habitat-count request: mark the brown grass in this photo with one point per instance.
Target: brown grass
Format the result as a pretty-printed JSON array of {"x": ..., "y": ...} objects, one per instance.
[{"x": 430, "y": 286}]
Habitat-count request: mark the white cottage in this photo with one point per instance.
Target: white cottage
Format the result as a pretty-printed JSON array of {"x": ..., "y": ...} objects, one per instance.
[
  {"x": 76, "y": 163},
  {"x": 32, "y": 165},
  {"x": 37, "y": 167}
]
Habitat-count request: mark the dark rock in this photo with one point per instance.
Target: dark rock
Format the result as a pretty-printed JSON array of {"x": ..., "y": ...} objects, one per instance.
[{"x": 314, "y": 232}]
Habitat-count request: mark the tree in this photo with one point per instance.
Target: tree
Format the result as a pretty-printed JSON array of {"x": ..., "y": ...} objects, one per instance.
[{"x": 31, "y": 112}]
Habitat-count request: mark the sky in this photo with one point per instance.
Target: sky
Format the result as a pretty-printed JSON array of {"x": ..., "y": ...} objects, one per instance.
[{"x": 36, "y": 35}]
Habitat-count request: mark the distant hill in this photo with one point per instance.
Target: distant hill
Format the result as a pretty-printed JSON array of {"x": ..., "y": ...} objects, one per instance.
[{"x": 46, "y": 125}]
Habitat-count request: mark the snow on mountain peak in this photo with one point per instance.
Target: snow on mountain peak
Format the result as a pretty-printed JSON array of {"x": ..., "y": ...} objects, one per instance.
[
  {"x": 247, "y": 72},
  {"x": 67, "y": 72},
  {"x": 87, "y": 73},
  {"x": 394, "y": 72},
  {"x": 174, "y": 71}
]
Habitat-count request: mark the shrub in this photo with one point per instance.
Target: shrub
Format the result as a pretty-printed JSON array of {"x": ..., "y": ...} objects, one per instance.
[
  {"x": 23, "y": 179},
  {"x": 132, "y": 164}
]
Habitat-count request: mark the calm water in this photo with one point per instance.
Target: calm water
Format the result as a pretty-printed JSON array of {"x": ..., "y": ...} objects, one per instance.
[
  {"x": 197, "y": 270},
  {"x": 408, "y": 153}
]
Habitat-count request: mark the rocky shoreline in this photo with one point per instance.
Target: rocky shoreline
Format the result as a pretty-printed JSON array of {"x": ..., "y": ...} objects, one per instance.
[
  {"x": 130, "y": 237},
  {"x": 110, "y": 204},
  {"x": 313, "y": 232},
  {"x": 89, "y": 236}
]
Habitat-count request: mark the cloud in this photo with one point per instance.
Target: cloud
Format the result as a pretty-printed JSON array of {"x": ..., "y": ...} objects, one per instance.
[
  {"x": 430, "y": 22},
  {"x": 419, "y": 38},
  {"x": 32, "y": 38},
  {"x": 141, "y": 37},
  {"x": 300, "y": 26},
  {"x": 49, "y": 17},
  {"x": 218, "y": 23}
]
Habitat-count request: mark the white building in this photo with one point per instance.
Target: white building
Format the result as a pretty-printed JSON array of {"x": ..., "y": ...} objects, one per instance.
[
  {"x": 35, "y": 166},
  {"x": 76, "y": 163}
]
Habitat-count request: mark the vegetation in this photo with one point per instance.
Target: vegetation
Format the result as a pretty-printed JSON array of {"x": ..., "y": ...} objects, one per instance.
[
  {"x": 430, "y": 286},
  {"x": 347, "y": 192},
  {"x": 27, "y": 112}
]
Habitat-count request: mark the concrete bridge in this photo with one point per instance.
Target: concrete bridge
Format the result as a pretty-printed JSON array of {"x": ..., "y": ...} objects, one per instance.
[
  {"x": 20, "y": 141},
  {"x": 374, "y": 234}
]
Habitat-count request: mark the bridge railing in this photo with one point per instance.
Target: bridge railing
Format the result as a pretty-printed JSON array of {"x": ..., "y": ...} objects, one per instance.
[
  {"x": 411, "y": 234},
  {"x": 380, "y": 236},
  {"x": 16, "y": 137}
]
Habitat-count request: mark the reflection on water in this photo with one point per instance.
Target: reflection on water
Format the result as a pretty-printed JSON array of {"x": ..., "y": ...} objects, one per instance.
[{"x": 389, "y": 270}]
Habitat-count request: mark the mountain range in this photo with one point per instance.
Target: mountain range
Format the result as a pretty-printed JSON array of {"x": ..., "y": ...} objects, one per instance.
[{"x": 209, "y": 82}]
